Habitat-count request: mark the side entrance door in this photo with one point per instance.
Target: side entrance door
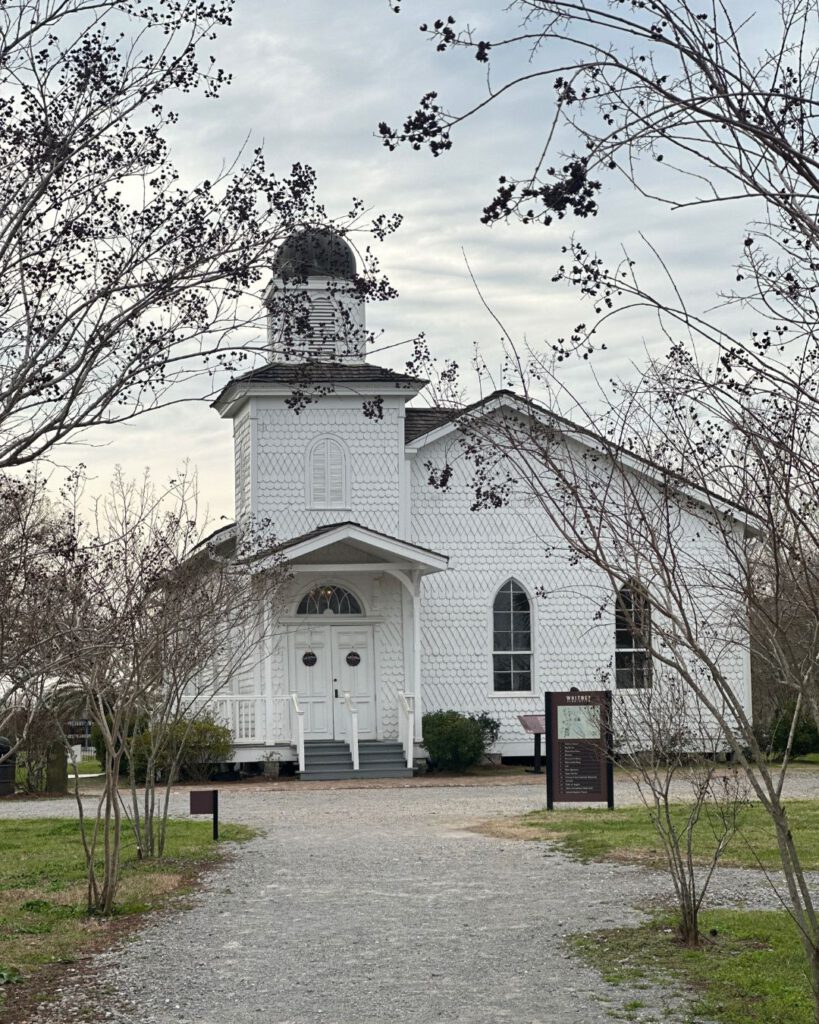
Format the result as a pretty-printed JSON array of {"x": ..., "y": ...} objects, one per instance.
[{"x": 325, "y": 661}]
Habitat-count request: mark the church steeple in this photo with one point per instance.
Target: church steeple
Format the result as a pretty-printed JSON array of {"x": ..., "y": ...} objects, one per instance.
[{"x": 315, "y": 310}]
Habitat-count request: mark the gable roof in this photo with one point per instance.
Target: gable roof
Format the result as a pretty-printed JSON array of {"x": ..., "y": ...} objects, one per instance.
[
  {"x": 529, "y": 407},
  {"x": 332, "y": 533}
]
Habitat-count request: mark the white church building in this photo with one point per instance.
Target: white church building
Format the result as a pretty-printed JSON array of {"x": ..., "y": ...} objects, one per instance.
[{"x": 402, "y": 600}]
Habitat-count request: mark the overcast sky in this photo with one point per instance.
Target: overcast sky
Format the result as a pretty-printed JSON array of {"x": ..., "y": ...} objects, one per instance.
[{"x": 311, "y": 81}]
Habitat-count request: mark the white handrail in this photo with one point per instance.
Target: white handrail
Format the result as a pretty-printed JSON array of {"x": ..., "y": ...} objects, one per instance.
[
  {"x": 406, "y": 725},
  {"x": 352, "y": 729},
  {"x": 294, "y": 700}
]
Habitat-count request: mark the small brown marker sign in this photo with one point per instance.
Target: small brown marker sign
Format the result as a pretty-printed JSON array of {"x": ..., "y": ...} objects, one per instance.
[{"x": 206, "y": 801}]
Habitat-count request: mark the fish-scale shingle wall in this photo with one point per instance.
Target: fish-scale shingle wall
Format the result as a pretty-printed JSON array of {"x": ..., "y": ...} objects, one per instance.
[
  {"x": 573, "y": 642},
  {"x": 284, "y": 438}
]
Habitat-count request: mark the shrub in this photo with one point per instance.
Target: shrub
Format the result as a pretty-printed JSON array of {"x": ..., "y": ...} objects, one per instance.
[
  {"x": 453, "y": 741},
  {"x": 490, "y": 729},
  {"x": 805, "y": 738},
  {"x": 203, "y": 743}
]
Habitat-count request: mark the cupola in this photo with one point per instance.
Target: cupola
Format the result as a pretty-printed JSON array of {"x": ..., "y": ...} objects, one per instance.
[{"x": 315, "y": 310}]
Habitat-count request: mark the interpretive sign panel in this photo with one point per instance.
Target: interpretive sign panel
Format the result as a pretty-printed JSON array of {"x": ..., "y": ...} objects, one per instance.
[{"x": 579, "y": 747}]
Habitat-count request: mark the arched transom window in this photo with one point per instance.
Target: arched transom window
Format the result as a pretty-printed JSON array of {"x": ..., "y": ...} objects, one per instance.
[
  {"x": 632, "y": 631},
  {"x": 327, "y": 474},
  {"x": 512, "y": 638},
  {"x": 328, "y": 599}
]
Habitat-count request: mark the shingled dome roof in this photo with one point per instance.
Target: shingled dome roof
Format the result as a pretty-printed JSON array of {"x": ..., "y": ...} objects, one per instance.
[{"x": 314, "y": 252}]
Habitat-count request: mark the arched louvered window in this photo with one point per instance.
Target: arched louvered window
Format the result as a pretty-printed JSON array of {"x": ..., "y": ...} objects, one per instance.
[
  {"x": 632, "y": 632},
  {"x": 327, "y": 474},
  {"x": 328, "y": 599},
  {"x": 512, "y": 638}
]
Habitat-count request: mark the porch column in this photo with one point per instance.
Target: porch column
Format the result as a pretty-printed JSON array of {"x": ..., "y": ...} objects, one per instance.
[{"x": 416, "y": 650}]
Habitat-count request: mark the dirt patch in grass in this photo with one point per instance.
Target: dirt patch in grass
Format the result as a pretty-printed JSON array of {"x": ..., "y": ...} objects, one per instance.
[{"x": 514, "y": 828}]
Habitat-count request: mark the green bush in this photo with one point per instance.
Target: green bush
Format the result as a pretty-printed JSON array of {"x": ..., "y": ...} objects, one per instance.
[
  {"x": 453, "y": 741},
  {"x": 805, "y": 739},
  {"x": 490, "y": 729},
  {"x": 203, "y": 743}
]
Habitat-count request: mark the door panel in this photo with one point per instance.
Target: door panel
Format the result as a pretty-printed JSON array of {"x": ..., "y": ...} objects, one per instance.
[
  {"x": 353, "y": 670},
  {"x": 314, "y": 682}
]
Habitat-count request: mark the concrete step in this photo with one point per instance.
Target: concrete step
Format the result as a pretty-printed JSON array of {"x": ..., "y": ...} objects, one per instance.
[
  {"x": 362, "y": 773},
  {"x": 322, "y": 756}
]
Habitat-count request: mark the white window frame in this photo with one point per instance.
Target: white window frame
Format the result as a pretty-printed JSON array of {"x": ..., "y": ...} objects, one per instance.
[
  {"x": 634, "y": 650},
  {"x": 532, "y": 691},
  {"x": 313, "y": 502}
]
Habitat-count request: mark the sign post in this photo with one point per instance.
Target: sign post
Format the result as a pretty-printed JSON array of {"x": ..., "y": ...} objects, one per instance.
[
  {"x": 206, "y": 801},
  {"x": 579, "y": 747},
  {"x": 536, "y": 726}
]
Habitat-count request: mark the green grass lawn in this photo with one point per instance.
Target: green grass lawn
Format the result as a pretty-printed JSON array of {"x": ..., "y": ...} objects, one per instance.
[
  {"x": 627, "y": 834},
  {"x": 88, "y": 766},
  {"x": 753, "y": 971},
  {"x": 42, "y": 888}
]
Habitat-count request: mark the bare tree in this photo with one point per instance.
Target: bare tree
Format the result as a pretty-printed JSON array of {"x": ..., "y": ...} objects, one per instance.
[
  {"x": 33, "y": 533},
  {"x": 670, "y": 750},
  {"x": 117, "y": 281},
  {"x": 153, "y": 611}
]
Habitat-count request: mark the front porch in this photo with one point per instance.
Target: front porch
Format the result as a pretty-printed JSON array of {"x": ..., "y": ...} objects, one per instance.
[{"x": 337, "y": 683}]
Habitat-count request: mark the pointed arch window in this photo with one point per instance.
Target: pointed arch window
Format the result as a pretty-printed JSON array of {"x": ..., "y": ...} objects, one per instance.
[
  {"x": 511, "y": 639},
  {"x": 328, "y": 599},
  {"x": 632, "y": 635},
  {"x": 327, "y": 474}
]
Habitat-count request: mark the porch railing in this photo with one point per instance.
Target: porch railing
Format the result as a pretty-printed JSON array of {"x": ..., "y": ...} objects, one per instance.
[
  {"x": 299, "y": 730},
  {"x": 406, "y": 725},
  {"x": 247, "y": 719},
  {"x": 244, "y": 716},
  {"x": 351, "y": 726}
]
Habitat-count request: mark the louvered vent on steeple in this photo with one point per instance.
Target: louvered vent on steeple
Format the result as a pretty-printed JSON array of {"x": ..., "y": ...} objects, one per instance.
[{"x": 327, "y": 474}]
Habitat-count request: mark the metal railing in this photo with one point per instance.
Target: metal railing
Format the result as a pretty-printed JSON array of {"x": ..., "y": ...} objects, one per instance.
[
  {"x": 406, "y": 725},
  {"x": 351, "y": 730}
]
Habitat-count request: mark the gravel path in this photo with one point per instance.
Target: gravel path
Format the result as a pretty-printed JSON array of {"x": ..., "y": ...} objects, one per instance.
[{"x": 380, "y": 905}]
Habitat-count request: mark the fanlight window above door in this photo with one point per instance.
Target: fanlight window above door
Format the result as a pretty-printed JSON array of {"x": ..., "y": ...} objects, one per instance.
[{"x": 329, "y": 600}]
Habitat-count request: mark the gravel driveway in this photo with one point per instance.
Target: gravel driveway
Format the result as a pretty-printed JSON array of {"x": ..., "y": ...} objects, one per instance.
[{"x": 380, "y": 905}]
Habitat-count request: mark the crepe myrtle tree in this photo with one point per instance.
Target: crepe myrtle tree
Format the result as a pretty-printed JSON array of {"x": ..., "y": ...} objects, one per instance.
[
  {"x": 159, "y": 623},
  {"x": 632, "y": 524},
  {"x": 118, "y": 281},
  {"x": 687, "y": 106},
  {"x": 669, "y": 747},
  {"x": 34, "y": 534}
]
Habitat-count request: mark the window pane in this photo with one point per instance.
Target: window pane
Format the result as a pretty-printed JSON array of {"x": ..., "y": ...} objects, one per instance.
[
  {"x": 503, "y": 640},
  {"x": 503, "y": 663},
  {"x": 521, "y": 681},
  {"x": 624, "y": 679},
  {"x": 521, "y": 641},
  {"x": 503, "y": 601},
  {"x": 503, "y": 680},
  {"x": 521, "y": 662},
  {"x": 520, "y": 602},
  {"x": 502, "y": 620}
]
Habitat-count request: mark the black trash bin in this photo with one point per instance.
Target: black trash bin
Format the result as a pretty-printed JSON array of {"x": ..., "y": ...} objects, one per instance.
[{"x": 7, "y": 768}]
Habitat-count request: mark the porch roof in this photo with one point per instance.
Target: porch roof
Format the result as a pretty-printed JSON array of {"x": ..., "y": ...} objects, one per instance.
[{"x": 309, "y": 547}]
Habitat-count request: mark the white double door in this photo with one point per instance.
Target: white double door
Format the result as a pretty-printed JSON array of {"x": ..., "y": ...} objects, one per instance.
[{"x": 327, "y": 661}]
